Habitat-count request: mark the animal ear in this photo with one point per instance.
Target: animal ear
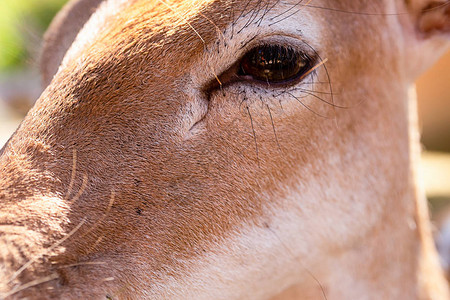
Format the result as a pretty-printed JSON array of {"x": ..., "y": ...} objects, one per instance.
[
  {"x": 61, "y": 34},
  {"x": 432, "y": 16}
]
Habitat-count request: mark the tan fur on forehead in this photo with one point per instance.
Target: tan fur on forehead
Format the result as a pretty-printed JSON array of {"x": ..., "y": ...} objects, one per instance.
[
  {"x": 184, "y": 21},
  {"x": 147, "y": 25},
  {"x": 147, "y": 31}
]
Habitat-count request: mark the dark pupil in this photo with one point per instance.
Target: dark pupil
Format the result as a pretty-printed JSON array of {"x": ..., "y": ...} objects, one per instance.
[{"x": 273, "y": 64}]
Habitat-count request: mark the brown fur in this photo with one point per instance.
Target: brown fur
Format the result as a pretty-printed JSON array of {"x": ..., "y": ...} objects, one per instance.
[{"x": 160, "y": 192}]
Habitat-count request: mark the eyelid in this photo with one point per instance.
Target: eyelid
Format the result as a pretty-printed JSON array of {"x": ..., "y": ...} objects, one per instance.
[
  {"x": 292, "y": 64},
  {"x": 279, "y": 38},
  {"x": 230, "y": 76},
  {"x": 223, "y": 76}
]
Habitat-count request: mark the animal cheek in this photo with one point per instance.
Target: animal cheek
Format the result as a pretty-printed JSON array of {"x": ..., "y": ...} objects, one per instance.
[{"x": 194, "y": 116}]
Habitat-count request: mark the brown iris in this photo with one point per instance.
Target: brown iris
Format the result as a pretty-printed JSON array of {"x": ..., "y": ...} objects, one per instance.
[{"x": 274, "y": 64}]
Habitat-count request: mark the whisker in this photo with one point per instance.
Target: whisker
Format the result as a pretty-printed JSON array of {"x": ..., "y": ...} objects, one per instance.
[
  {"x": 313, "y": 82},
  {"x": 273, "y": 127},
  {"x": 97, "y": 242},
  {"x": 242, "y": 101},
  {"x": 307, "y": 107},
  {"x": 290, "y": 15},
  {"x": 73, "y": 174},
  {"x": 376, "y": 14},
  {"x": 253, "y": 16},
  {"x": 108, "y": 279},
  {"x": 243, "y": 45},
  {"x": 323, "y": 100},
  {"x": 111, "y": 202},
  {"x": 254, "y": 137},
  {"x": 330, "y": 88},
  {"x": 311, "y": 91},
  {"x": 88, "y": 263},
  {"x": 81, "y": 191},
  {"x": 291, "y": 253},
  {"x": 281, "y": 105},
  {"x": 232, "y": 19},
  {"x": 217, "y": 77},
  {"x": 357, "y": 13},
  {"x": 243, "y": 10},
  {"x": 214, "y": 24},
  {"x": 35, "y": 258},
  {"x": 185, "y": 19},
  {"x": 322, "y": 62},
  {"x": 287, "y": 10},
  {"x": 266, "y": 10},
  {"x": 317, "y": 281},
  {"x": 30, "y": 284}
]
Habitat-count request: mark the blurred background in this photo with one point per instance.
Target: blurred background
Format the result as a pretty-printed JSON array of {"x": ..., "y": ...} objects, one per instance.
[{"x": 23, "y": 22}]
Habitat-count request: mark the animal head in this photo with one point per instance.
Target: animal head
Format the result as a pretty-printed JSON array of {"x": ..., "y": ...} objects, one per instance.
[{"x": 223, "y": 150}]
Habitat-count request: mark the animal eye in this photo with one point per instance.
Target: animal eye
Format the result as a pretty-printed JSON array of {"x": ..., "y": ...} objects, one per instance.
[{"x": 274, "y": 64}]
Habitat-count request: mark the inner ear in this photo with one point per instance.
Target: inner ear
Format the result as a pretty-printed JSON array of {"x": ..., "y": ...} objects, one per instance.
[
  {"x": 62, "y": 33},
  {"x": 433, "y": 16}
]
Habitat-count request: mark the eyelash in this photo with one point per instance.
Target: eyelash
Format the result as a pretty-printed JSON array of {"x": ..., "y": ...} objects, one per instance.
[
  {"x": 234, "y": 76},
  {"x": 246, "y": 94},
  {"x": 274, "y": 64}
]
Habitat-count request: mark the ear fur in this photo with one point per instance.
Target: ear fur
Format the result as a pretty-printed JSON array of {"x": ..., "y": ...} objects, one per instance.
[
  {"x": 61, "y": 34},
  {"x": 432, "y": 16}
]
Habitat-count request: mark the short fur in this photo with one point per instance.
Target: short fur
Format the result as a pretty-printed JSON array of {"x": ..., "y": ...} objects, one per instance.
[{"x": 137, "y": 176}]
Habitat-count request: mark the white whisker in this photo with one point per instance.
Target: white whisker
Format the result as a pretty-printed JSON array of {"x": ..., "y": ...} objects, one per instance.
[
  {"x": 31, "y": 261},
  {"x": 30, "y": 284}
]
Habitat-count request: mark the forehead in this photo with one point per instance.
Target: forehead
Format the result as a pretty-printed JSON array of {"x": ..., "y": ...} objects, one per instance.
[
  {"x": 167, "y": 38},
  {"x": 221, "y": 13}
]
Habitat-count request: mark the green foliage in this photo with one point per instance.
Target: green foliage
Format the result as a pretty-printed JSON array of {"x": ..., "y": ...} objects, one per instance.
[{"x": 20, "y": 22}]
